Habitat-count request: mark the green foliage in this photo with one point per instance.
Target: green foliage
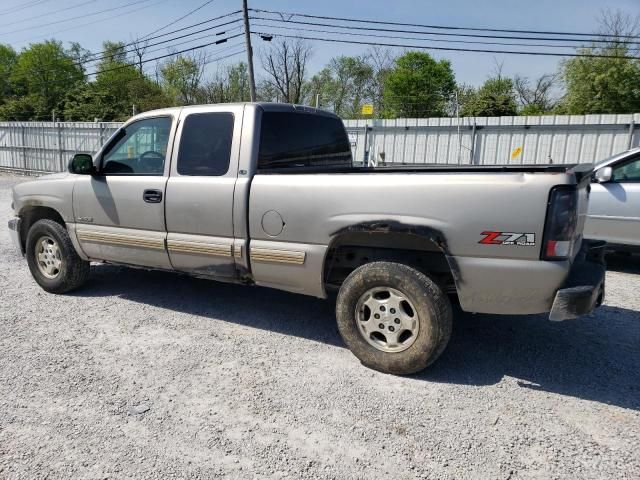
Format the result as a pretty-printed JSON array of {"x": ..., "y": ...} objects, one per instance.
[
  {"x": 230, "y": 85},
  {"x": 44, "y": 72},
  {"x": 117, "y": 88},
  {"x": 602, "y": 85},
  {"x": 344, "y": 85},
  {"x": 181, "y": 78},
  {"x": 418, "y": 86},
  {"x": 20, "y": 108},
  {"x": 495, "y": 98},
  {"x": 8, "y": 59}
]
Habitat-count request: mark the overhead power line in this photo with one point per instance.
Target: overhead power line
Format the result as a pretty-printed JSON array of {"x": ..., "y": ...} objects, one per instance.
[
  {"x": 33, "y": 27},
  {"x": 450, "y": 49},
  {"x": 179, "y": 19},
  {"x": 47, "y": 14},
  {"x": 24, "y": 6},
  {"x": 127, "y": 65},
  {"x": 471, "y": 42},
  {"x": 445, "y": 27},
  {"x": 124, "y": 51},
  {"x": 395, "y": 30},
  {"x": 99, "y": 20},
  {"x": 183, "y": 29}
]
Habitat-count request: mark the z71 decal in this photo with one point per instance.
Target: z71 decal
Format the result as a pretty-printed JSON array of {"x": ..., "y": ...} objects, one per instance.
[{"x": 508, "y": 238}]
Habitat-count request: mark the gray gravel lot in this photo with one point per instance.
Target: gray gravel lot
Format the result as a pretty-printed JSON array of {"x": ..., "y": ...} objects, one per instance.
[{"x": 154, "y": 375}]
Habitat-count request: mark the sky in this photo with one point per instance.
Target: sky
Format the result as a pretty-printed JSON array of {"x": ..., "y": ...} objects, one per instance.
[{"x": 22, "y": 22}]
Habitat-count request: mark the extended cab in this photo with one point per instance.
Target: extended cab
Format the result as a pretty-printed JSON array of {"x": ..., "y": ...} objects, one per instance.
[{"x": 267, "y": 194}]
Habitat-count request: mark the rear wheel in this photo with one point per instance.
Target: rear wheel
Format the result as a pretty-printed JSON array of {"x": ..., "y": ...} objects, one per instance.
[
  {"x": 393, "y": 318},
  {"x": 52, "y": 259}
]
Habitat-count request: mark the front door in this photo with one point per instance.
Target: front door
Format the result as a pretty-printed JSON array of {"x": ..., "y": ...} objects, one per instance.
[
  {"x": 119, "y": 212},
  {"x": 614, "y": 206},
  {"x": 200, "y": 191}
]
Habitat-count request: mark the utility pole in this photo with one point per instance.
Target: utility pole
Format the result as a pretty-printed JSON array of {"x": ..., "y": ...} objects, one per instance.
[
  {"x": 317, "y": 100},
  {"x": 247, "y": 38}
]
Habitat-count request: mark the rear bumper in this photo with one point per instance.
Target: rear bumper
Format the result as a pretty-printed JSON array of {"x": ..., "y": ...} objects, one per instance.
[
  {"x": 14, "y": 233},
  {"x": 583, "y": 290}
]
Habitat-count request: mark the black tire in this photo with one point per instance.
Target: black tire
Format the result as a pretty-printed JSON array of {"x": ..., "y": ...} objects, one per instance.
[
  {"x": 432, "y": 306},
  {"x": 73, "y": 271}
]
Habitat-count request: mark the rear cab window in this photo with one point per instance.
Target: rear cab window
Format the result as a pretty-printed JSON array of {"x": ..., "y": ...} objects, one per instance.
[{"x": 302, "y": 141}]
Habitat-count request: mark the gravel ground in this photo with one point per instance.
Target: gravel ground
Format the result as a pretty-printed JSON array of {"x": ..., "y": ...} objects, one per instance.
[{"x": 155, "y": 375}]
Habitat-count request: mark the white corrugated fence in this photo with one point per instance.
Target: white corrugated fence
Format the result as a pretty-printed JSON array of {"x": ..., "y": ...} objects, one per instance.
[{"x": 37, "y": 147}]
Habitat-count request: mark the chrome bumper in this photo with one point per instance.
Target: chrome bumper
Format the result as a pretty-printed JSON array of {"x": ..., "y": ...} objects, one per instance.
[{"x": 14, "y": 232}]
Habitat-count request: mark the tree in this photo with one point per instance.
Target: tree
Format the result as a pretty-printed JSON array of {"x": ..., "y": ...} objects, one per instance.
[
  {"x": 381, "y": 61},
  {"x": 286, "y": 65},
  {"x": 343, "y": 85},
  {"x": 8, "y": 59},
  {"x": 45, "y": 72},
  {"x": 605, "y": 85},
  {"x": 79, "y": 54},
  {"x": 536, "y": 97},
  {"x": 118, "y": 86},
  {"x": 229, "y": 85},
  {"x": 418, "y": 86},
  {"x": 495, "y": 98},
  {"x": 139, "y": 47},
  {"x": 181, "y": 78}
]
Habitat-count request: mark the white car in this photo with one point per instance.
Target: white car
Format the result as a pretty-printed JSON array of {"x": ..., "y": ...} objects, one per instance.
[{"x": 614, "y": 204}]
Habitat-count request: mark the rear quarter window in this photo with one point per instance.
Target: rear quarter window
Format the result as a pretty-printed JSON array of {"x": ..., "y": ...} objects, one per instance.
[{"x": 293, "y": 140}]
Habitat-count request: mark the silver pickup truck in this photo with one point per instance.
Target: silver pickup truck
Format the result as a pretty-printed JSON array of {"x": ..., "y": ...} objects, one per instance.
[{"x": 267, "y": 194}]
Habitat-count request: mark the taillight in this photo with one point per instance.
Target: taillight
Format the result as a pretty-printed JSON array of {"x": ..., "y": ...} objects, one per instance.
[{"x": 561, "y": 223}]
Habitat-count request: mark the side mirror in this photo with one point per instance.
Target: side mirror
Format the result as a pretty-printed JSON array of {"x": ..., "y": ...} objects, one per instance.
[
  {"x": 82, "y": 164},
  {"x": 603, "y": 175}
]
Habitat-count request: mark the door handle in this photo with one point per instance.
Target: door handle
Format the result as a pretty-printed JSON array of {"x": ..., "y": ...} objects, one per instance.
[{"x": 152, "y": 196}]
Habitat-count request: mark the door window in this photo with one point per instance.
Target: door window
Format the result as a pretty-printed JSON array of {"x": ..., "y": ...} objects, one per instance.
[
  {"x": 138, "y": 149},
  {"x": 205, "y": 144},
  {"x": 627, "y": 172}
]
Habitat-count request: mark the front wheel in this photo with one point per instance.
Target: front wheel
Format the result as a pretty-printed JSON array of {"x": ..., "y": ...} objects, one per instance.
[
  {"x": 393, "y": 318},
  {"x": 52, "y": 259}
]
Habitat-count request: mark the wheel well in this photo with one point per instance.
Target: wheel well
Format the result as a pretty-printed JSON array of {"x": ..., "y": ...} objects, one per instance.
[
  {"x": 30, "y": 215},
  {"x": 352, "y": 251}
]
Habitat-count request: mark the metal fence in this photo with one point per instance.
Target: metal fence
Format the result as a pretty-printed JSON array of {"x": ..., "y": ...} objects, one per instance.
[
  {"x": 493, "y": 140},
  {"x": 38, "y": 147}
]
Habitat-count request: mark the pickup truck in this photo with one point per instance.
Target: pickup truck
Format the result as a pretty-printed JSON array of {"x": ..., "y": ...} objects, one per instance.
[{"x": 267, "y": 194}]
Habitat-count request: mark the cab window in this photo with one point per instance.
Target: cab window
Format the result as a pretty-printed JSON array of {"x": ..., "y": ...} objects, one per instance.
[
  {"x": 205, "y": 144},
  {"x": 138, "y": 149},
  {"x": 627, "y": 172}
]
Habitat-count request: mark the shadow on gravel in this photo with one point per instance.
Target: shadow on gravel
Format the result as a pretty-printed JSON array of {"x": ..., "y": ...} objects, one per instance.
[{"x": 594, "y": 358}]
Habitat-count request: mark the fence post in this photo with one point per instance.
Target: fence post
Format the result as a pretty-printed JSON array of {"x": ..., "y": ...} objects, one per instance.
[
  {"x": 60, "y": 159},
  {"x": 365, "y": 157},
  {"x": 24, "y": 147},
  {"x": 472, "y": 151},
  {"x": 632, "y": 127}
]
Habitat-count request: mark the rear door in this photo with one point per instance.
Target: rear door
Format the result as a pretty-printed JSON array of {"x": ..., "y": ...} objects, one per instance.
[
  {"x": 200, "y": 191},
  {"x": 614, "y": 206},
  {"x": 119, "y": 212}
]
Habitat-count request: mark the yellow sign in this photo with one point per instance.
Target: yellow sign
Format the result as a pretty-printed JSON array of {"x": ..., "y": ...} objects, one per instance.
[
  {"x": 367, "y": 109},
  {"x": 516, "y": 153}
]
